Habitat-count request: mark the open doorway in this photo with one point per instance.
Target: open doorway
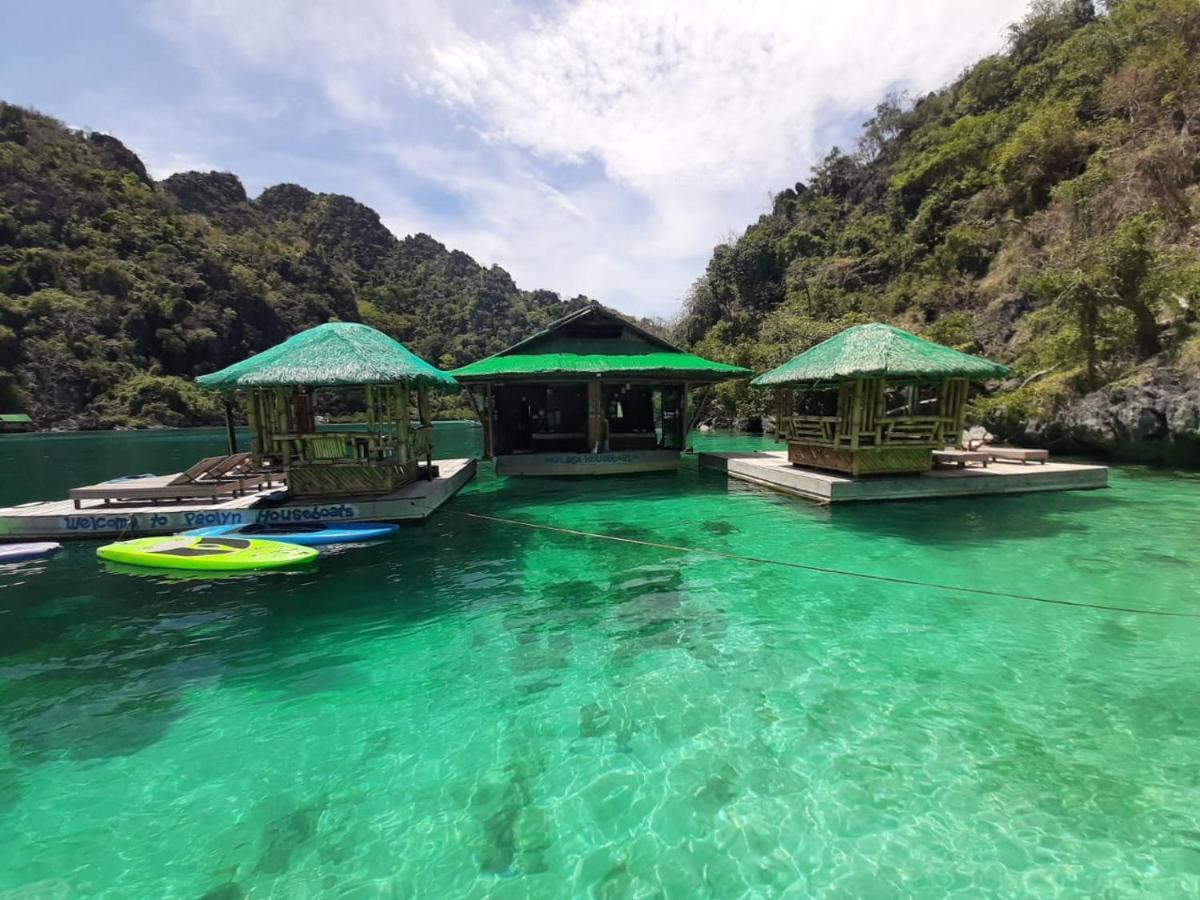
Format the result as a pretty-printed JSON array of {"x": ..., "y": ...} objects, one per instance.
[{"x": 539, "y": 418}]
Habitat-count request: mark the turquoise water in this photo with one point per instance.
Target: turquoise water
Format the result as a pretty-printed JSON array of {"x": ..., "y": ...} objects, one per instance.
[{"x": 485, "y": 709}]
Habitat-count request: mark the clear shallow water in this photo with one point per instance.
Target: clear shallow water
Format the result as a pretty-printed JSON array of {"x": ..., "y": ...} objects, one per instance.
[{"x": 483, "y": 709}]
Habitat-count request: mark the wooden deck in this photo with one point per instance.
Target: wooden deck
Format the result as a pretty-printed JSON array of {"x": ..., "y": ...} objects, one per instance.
[
  {"x": 58, "y": 519},
  {"x": 771, "y": 469}
]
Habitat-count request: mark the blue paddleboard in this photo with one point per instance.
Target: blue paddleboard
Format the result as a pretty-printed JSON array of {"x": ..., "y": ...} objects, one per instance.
[
  {"x": 309, "y": 534},
  {"x": 11, "y": 553}
]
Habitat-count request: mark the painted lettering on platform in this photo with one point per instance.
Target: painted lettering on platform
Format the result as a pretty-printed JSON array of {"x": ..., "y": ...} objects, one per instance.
[
  {"x": 99, "y": 523},
  {"x": 308, "y": 513},
  {"x": 591, "y": 459},
  {"x": 213, "y": 517}
]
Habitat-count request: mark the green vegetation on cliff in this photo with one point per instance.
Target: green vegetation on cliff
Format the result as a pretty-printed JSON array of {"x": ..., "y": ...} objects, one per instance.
[
  {"x": 115, "y": 289},
  {"x": 1043, "y": 210}
]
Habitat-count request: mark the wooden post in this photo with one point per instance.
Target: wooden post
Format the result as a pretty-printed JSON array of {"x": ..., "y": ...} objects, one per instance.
[
  {"x": 230, "y": 431},
  {"x": 684, "y": 417},
  {"x": 595, "y": 427},
  {"x": 426, "y": 423}
]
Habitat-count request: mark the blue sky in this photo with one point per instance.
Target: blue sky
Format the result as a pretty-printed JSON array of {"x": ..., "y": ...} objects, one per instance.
[{"x": 588, "y": 147}]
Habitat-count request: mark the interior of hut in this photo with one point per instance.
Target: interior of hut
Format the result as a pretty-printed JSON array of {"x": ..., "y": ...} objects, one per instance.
[
  {"x": 534, "y": 417},
  {"x": 396, "y": 434}
]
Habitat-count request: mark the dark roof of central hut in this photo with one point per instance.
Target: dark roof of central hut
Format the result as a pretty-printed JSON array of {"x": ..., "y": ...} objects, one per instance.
[
  {"x": 595, "y": 342},
  {"x": 333, "y": 354},
  {"x": 878, "y": 350}
]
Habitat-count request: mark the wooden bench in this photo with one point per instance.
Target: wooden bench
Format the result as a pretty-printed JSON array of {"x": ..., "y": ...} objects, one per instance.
[{"x": 961, "y": 458}]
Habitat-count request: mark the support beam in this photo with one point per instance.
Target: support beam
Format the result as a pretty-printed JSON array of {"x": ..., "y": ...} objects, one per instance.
[
  {"x": 697, "y": 409},
  {"x": 230, "y": 430},
  {"x": 856, "y": 410},
  {"x": 489, "y": 415},
  {"x": 426, "y": 422},
  {"x": 479, "y": 414},
  {"x": 596, "y": 429}
]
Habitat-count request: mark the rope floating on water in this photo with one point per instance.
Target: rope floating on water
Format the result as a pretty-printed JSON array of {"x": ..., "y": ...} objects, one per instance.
[{"x": 826, "y": 570}]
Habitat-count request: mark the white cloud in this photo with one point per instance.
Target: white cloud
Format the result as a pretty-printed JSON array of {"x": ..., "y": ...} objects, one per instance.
[{"x": 598, "y": 147}]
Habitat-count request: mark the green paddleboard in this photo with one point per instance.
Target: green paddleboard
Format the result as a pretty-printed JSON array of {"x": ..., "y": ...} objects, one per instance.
[{"x": 210, "y": 554}]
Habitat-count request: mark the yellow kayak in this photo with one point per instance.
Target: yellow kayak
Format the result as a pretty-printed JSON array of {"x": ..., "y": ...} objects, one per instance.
[{"x": 211, "y": 554}]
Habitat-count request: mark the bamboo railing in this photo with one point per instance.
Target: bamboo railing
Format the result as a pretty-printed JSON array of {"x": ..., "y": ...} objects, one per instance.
[{"x": 862, "y": 420}]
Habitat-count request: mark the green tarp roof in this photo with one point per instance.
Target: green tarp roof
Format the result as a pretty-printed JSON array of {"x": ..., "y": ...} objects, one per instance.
[
  {"x": 878, "y": 349},
  {"x": 337, "y": 353},
  {"x": 662, "y": 363},
  {"x": 561, "y": 349},
  {"x": 15, "y": 418}
]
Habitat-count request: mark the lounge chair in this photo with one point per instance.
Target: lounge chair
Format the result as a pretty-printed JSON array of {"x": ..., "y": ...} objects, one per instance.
[
  {"x": 210, "y": 477},
  {"x": 1016, "y": 454},
  {"x": 960, "y": 458}
]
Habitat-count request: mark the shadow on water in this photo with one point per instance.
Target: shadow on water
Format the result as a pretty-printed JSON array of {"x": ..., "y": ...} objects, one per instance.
[
  {"x": 974, "y": 520},
  {"x": 513, "y": 833}
]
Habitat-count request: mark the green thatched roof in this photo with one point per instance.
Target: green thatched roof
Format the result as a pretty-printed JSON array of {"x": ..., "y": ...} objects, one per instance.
[
  {"x": 878, "y": 350},
  {"x": 664, "y": 364},
  {"x": 337, "y": 353},
  {"x": 596, "y": 342}
]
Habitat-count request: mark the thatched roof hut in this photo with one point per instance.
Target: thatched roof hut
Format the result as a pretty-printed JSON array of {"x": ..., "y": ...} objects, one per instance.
[
  {"x": 330, "y": 355},
  {"x": 591, "y": 393},
  {"x": 278, "y": 386},
  {"x": 873, "y": 399},
  {"x": 878, "y": 350}
]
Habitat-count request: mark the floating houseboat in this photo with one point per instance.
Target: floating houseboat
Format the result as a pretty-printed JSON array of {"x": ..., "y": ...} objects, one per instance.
[
  {"x": 15, "y": 422},
  {"x": 293, "y": 472},
  {"x": 590, "y": 394},
  {"x": 876, "y": 401},
  {"x": 873, "y": 399},
  {"x": 277, "y": 388}
]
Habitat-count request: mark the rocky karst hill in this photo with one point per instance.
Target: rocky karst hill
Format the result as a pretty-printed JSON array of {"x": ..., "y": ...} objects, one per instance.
[
  {"x": 115, "y": 290},
  {"x": 1044, "y": 210}
]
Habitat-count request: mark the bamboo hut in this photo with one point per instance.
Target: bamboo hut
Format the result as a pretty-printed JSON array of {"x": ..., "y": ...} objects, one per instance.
[
  {"x": 873, "y": 399},
  {"x": 14, "y": 422},
  {"x": 277, "y": 388},
  {"x": 592, "y": 393}
]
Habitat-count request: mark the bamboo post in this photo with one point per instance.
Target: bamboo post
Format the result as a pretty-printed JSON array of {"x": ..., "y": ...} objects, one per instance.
[
  {"x": 256, "y": 448},
  {"x": 958, "y": 390},
  {"x": 399, "y": 420},
  {"x": 856, "y": 413},
  {"x": 369, "y": 391},
  {"x": 404, "y": 451}
]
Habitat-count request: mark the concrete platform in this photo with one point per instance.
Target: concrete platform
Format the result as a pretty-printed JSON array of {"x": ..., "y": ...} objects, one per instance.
[
  {"x": 771, "y": 469},
  {"x": 616, "y": 462},
  {"x": 58, "y": 519}
]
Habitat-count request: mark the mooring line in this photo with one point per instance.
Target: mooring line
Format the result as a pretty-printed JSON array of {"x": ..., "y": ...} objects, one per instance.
[{"x": 826, "y": 570}]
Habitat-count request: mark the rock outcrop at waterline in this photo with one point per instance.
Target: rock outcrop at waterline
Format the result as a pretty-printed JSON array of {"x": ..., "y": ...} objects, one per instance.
[{"x": 1154, "y": 419}]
